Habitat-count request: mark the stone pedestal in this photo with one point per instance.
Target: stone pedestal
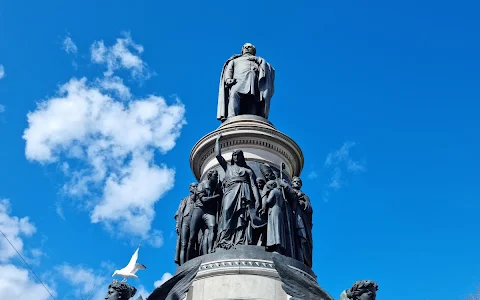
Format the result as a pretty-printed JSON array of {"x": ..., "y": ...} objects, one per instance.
[
  {"x": 259, "y": 140},
  {"x": 246, "y": 272}
]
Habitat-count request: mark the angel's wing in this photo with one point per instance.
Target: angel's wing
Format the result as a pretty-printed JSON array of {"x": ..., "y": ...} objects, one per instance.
[
  {"x": 298, "y": 285},
  {"x": 133, "y": 261},
  {"x": 176, "y": 287}
]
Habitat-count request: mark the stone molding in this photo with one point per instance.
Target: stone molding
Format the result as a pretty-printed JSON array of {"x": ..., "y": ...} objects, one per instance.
[
  {"x": 246, "y": 134},
  {"x": 242, "y": 266}
]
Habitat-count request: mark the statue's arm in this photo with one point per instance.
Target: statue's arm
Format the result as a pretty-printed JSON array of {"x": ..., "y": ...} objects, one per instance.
[
  {"x": 260, "y": 61},
  {"x": 253, "y": 185},
  {"x": 179, "y": 210},
  {"x": 218, "y": 153},
  {"x": 177, "y": 216},
  {"x": 308, "y": 205},
  {"x": 228, "y": 73},
  {"x": 210, "y": 198},
  {"x": 271, "y": 198}
]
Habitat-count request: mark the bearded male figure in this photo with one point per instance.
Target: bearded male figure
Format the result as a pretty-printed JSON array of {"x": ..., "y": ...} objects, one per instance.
[
  {"x": 120, "y": 291},
  {"x": 183, "y": 218},
  {"x": 246, "y": 85}
]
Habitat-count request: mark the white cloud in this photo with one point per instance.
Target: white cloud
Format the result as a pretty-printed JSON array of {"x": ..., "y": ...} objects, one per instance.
[
  {"x": 2, "y": 108},
  {"x": 156, "y": 239},
  {"x": 17, "y": 282},
  {"x": 339, "y": 163},
  {"x": 124, "y": 54},
  {"x": 111, "y": 143},
  {"x": 2, "y": 71},
  {"x": 166, "y": 276},
  {"x": 141, "y": 291},
  {"x": 69, "y": 46},
  {"x": 86, "y": 281},
  {"x": 116, "y": 85},
  {"x": 129, "y": 198},
  {"x": 13, "y": 228}
]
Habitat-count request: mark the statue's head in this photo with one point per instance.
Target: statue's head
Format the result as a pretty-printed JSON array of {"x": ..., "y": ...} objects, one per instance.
[
  {"x": 249, "y": 48},
  {"x": 267, "y": 172},
  {"x": 120, "y": 290},
  {"x": 212, "y": 175},
  {"x": 238, "y": 158},
  {"x": 193, "y": 187},
  {"x": 260, "y": 183},
  {"x": 363, "y": 290},
  {"x": 297, "y": 182},
  {"x": 271, "y": 184}
]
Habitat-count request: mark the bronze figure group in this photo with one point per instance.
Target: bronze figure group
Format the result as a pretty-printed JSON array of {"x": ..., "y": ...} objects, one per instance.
[{"x": 244, "y": 209}]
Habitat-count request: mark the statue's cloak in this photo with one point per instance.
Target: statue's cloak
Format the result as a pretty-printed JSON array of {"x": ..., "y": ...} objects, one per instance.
[{"x": 266, "y": 77}]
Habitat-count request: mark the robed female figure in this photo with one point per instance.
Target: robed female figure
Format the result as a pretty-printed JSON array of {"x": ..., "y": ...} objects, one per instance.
[{"x": 240, "y": 195}]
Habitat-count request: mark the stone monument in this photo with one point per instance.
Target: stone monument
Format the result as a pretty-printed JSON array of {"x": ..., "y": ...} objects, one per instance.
[
  {"x": 244, "y": 232},
  {"x": 245, "y": 229}
]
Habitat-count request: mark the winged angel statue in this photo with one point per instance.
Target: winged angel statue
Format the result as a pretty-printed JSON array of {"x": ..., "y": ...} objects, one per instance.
[
  {"x": 297, "y": 285},
  {"x": 176, "y": 287}
]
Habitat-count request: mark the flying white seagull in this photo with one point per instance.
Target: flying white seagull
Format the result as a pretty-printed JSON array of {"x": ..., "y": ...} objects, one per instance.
[{"x": 132, "y": 268}]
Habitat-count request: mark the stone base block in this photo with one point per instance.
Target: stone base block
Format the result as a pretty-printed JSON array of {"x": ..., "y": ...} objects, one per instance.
[
  {"x": 237, "y": 286},
  {"x": 246, "y": 272}
]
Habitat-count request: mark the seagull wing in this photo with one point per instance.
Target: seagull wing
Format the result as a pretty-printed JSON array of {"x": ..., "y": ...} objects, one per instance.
[
  {"x": 298, "y": 285},
  {"x": 131, "y": 265},
  {"x": 138, "y": 267}
]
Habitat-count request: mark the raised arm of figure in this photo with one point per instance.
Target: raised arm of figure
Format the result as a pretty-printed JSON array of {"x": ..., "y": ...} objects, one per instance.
[{"x": 218, "y": 152}]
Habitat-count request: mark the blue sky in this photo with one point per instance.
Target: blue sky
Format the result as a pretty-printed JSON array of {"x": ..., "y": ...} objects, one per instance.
[{"x": 102, "y": 102}]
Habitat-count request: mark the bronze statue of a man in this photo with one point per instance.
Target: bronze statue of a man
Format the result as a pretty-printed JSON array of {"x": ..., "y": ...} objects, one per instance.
[
  {"x": 361, "y": 290},
  {"x": 205, "y": 212},
  {"x": 303, "y": 216},
  {"x": 120, "y": 290},
  {"x": 246, "y": 85},
  {"x": 183, "y": 218}
]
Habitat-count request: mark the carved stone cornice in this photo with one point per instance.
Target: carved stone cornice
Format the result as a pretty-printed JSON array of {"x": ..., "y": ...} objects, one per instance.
[{"x": 256, "y": 136}]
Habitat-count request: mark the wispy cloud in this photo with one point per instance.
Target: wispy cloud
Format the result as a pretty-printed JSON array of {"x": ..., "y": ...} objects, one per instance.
[
  {"x": 14, "y": 228},
  {"x": 124, "y": 54},
  {"x": 2, "y": 108},
  {"x": 69, "y": 46},
  {"x": 16, "y": 281},
  {"x": 2, "y": 71},
  {"x": 313, "y": 175},
  {"x": 104, "y": 139},
  {"x": 339, "y": 164}
]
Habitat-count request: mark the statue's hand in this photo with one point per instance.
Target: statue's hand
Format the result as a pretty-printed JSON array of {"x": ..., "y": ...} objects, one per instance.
[
  {"x": 262, "y": 211},
  {"x": 230, "y": 81},
  {"x": 282, "y": 183}
]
